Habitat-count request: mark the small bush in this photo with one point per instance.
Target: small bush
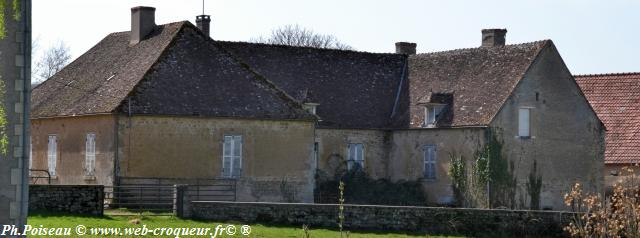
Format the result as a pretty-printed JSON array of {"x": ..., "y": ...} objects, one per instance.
[
  {"x": 617, "y": 215},
  {"x": 362, "y": 189}
]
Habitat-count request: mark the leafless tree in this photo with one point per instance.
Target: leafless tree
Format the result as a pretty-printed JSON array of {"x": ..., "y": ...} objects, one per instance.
[
  {"x": 296, "y": 35},
  {"x": 52, "y": 61}
]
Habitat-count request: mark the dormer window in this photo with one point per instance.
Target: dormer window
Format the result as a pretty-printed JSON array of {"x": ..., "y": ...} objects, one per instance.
[
  {"x": 310, "y": 107},
  {"x": 431, "y": 114}
]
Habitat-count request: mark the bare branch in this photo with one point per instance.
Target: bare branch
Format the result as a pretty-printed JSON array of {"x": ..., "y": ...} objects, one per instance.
[
  {"x": 296, "y": 35},
  {"x": 52, "y": 61}
]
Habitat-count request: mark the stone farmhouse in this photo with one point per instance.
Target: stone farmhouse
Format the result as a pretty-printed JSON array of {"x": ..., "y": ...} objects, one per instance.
[
  {"x": 616, "y": 100},
  {"x": 168, "y": 101}
]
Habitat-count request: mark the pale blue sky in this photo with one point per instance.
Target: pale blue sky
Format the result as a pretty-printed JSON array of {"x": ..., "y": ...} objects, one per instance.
[{"x": 592, "y": 36}]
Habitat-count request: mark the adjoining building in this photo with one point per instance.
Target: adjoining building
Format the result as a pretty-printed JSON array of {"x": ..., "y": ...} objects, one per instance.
[
  {"x": 167, "y": 101},
  {"x": 616, "y": 100}
]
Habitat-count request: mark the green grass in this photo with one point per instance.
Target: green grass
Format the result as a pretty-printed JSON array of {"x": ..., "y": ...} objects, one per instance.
[{"x": 122, "y": 221}]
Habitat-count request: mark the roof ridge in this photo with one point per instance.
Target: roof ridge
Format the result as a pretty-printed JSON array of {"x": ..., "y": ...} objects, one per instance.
[
  {"x": 166, "y": 24},
  {"x": 475, "y": 48},
  {"x": 305, "y": 47},
  {"x": 607, "y": 74}
]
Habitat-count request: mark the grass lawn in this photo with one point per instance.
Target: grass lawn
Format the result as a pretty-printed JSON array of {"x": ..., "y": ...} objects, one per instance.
[{"x": 151, "y": 222}]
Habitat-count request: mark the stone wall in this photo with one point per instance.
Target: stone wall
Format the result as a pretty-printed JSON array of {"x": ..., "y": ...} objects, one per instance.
[
  {"x": 77, "y": 199},
  {"x": 389, "y": 218}
]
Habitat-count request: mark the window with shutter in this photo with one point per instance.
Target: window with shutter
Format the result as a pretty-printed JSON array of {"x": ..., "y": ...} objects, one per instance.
[
  {"x": 90, "y": 155},
  {"x": 356, "y": 156},
  {"x": 430, "y": 162},
  {"x": 523, "y": 122},
  {"x": 52, "y": 154},
  {"x": 232, "y": 156}
]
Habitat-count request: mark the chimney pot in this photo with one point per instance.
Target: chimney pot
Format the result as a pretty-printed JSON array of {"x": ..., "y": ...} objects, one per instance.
[
  {"x": 406, "y": 48},
  {"x": 493, "y": 37},
  {"x": 142, "y": 23},
  {"x": 204, "y": 22}
]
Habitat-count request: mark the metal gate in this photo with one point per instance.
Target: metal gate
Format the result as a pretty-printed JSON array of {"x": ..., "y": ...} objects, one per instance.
[{"x": 159, "y": 195}]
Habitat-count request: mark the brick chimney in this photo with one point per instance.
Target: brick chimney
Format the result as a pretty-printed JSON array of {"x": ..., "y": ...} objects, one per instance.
[
  {"x": 493, "y": 37},
  {"x": 204, "y": 22},
  {"x": 142, "y": 23},
  {"x": 406, "y": 48}
]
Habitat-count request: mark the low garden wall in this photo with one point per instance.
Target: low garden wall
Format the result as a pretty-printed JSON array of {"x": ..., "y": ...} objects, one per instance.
[
  {"x": 77, "y": 199},
  {"x": 432, "y": 220}
]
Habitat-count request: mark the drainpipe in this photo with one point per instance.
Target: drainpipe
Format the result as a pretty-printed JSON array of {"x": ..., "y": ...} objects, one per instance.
[{"x": 26, "y": 92}]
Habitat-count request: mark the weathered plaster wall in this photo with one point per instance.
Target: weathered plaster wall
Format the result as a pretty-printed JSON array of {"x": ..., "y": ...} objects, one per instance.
[
  {"x": 276, "y": 155},
  {"x": 71, "y": 138},
  {"x": 407, "y": 158},
  {"x": 619, "y": 173},
  {"x": 333, "y": 150},
  {"x": 567, "y": 139}
]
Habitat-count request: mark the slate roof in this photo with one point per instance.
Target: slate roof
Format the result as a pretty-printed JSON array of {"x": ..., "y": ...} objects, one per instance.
[
  {"x": 479, "y": 80},
  {"x": 616, "y": 100},
  {"x": 175, "y": 71},
  {"x": 354, "y": 89},
  {"x": 179, "y": 71}
]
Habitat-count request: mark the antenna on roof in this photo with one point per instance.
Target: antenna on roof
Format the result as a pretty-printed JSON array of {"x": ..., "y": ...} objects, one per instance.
[{"x": 202, "y": 7}]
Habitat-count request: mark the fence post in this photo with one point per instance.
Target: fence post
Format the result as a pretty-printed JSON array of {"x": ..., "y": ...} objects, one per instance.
[{"x": 180, "y": 191}]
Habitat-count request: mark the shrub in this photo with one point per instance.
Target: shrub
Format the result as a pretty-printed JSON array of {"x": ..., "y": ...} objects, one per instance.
[
  {"x": 362, "y": 189},
  {"x": 616, "y": 215}
]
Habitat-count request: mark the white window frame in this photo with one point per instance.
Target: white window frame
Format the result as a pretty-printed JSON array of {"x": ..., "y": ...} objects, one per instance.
[
  {"x": 52, "y": 154},
  {"x": 232, "y": 155},
  {"x": 90, "y": 155},
  {"x": 524, "y": 122},
  {"x": 431, "y": 114},
  {"x": 430, "y": 157},
  {"x": 355, "y": 153}
]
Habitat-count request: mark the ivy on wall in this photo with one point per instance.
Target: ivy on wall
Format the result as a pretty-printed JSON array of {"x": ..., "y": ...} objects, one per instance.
[
  {"x": 489, "y": 182},
  {"x": 4, "y": 138},
  {"x": 15, "y": 6},
  {"x": 534, "y": 187}
]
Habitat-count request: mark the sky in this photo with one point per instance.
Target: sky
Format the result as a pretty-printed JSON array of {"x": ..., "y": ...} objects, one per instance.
[{"x": 592, "y": 36}]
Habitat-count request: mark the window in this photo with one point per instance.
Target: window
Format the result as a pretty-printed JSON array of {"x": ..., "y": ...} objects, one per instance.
[
  {"x": 430, "y": 162},
  {"x": 523, "y": 122},
  {"x": 232, "y": 156},
  {"x": 310, "y": 107},
  {"x": 90, "y": 155},
  {"x": 431, "y": 114},
  {"x": 356, "y": 156},
  {"x": 52, "y": 154}
]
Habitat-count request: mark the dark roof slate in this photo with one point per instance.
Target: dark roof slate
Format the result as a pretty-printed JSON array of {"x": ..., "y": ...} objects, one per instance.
[
  {"x": 616, "y": 100},
  {"x": 175, "y": 71},
  {"x": 479, "y": 79},
  {"x": 196, "y": 77},
  {"x": 354, "y": 89}
]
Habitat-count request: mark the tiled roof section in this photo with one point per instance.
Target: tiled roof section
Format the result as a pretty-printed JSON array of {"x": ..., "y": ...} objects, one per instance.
[
  {"x": 616, "y": 100},
  {"x": 175, "y": 71},
  {"x": 480, "y": 80},
  {"x": 196, "y": 77},
  {"x": 354, "y": 89},
  {"x": 100, "y": 79}
]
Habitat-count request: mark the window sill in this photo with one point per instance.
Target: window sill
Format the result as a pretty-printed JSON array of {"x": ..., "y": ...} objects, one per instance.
[
  {"x": 525, "y": 137},
  {"x": 89, "y": 178},
  {"x": 429, "y": 179},
  {"x": 54, "y": 177}
]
